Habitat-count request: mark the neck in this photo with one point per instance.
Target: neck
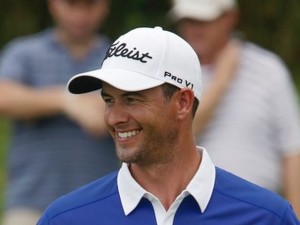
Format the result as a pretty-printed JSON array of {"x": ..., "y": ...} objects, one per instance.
[{"x": 167, "y": 181}]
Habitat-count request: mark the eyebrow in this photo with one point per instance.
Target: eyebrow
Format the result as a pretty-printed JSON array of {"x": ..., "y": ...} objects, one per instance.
[
  {"x": 103, "y": 94},
  {"x": 125, "y": 94}
]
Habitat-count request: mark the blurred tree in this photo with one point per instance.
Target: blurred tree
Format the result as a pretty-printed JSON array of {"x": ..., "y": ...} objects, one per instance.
[
  {"x": 19, "y": 18},
  {"x": 133, "y": 13},
  {"x": 274, "y": 25}
]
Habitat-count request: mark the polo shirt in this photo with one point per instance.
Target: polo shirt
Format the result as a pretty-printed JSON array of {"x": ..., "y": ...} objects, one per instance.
[
  {"x": 257, "y": 120},
  {"x": 131, "y": 192},
  {"x": 213, "y": 196},
  {"x": 51, "y": 156}
]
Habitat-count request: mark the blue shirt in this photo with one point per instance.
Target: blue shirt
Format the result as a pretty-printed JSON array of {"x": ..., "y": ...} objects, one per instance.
[
  {"x": 51, "y": 156},
  {"x": 231, "y": 201}
]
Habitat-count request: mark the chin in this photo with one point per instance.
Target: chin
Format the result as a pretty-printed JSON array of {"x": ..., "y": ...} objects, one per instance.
[
  {"x": 80, "y": 34},
  {"x": 125, "y": 155}
]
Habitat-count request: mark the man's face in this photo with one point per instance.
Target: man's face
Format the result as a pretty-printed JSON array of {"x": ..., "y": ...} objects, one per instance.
[
  {"x": 143, "y": 124},
  {"x": 79, "y": 18},
  {"x": 207, "y": 37}
]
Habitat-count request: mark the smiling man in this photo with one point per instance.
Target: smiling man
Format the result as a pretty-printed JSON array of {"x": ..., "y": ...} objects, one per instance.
[{"x": 165, "y": 178}]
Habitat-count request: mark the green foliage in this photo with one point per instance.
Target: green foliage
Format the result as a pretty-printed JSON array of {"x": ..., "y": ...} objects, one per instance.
[
  {"x": 126, "y": 15},
  {"x": 4, "y": 138},
  {"x": 21, "y": 18},
  {"x": 274, "y": 25}
]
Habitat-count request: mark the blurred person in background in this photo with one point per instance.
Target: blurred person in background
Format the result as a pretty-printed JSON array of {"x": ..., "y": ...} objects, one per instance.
[
  {"x": 58, "y": 141},
  {"x": 249, "y": 115}
]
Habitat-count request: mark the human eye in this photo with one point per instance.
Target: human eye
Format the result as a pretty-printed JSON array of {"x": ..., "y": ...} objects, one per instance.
[
  {"x": 130, "y": 99},
  {"x": 69, "y": 2},
  {"x": 133, "y": 98},
  {"x": 108, "y": 100}
]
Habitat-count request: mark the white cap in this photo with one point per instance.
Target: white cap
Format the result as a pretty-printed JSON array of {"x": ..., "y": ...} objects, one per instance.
[
  {"x": 141, "y": 59},
  {"x": 205, "y": 10}
]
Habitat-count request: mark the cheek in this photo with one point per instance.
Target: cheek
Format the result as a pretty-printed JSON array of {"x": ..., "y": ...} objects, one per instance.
[
  {"x": 164, "y": 118},
  {"x": 62, "y": 15},
  {"x": 106, "y": 113},
  {"x": 57, "y": 12},
  {"x": 106, "y": 117},
  {"x": 97, "y": 14},
  {"x": 93, "y": 17}
]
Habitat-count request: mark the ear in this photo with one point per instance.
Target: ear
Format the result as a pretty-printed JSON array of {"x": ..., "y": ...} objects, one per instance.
[
  {"x": 105, "y": 7},
  {"x": 233, "y": 18},
  {"x": 185, "y": 103},
  {"x": 51, "y": 6}
]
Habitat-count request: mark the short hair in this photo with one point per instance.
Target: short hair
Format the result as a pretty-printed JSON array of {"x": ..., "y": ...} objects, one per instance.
[{"x": 169, "y": 90}]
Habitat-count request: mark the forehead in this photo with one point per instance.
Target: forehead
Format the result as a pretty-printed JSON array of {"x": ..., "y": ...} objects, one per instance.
[
  {"x": 195, "y": 22},
  {"x": 83, "y": 1}
]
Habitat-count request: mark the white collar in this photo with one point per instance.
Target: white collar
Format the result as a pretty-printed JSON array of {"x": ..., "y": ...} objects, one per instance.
[{"x": 200, "y": 187}]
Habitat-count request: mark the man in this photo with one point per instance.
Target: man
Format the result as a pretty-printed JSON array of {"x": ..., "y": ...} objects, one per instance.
[
  {"x": 249, "y": 117},
  {"x": 58, "y": 141},
  {"x": 151, "y": 84}
]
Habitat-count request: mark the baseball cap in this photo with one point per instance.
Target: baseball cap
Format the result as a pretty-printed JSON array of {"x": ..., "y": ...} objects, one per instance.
[
  {"x": 141, "y": 59},
  {"x": 205, "y": 10}
]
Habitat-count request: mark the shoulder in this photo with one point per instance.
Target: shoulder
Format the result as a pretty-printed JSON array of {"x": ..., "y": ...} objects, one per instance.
[
  {"x": 262, "y": 59},
  {"x": 104, "y": 40},
  {"x": 263, "y": 65},
  {"x": 255, "y": 53},
  {"x": 244, "y": 193},
  {"x": 90, "y": 194},
  {"x": 102, "y": 45},
  {"x": 28, "y": 43}
]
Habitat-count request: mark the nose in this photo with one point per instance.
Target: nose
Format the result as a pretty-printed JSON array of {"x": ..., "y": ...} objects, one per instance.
[
  {"x": 116, "y": 114},
  {"x": 80, "y": 12}
]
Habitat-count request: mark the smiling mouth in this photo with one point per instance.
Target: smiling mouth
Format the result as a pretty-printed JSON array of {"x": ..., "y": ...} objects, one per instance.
[{"x": 127, "y": 134}]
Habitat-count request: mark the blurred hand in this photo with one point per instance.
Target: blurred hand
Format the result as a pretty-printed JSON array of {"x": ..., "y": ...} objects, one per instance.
[
  {"x": 88, "y": 111},
  {"x": 227, "y": 61},
  {"x": 225, "y": 67}
]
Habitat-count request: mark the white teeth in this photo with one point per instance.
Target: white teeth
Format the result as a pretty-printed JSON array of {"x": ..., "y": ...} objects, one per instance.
[{"x": 128, "y": 134}]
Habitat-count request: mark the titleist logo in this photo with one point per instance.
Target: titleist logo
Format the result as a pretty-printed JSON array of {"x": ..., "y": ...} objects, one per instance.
[{"x": 120, "y": 50}]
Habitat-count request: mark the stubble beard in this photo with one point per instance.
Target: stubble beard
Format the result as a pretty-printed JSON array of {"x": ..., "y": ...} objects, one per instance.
[{"x": 156, "y": 148}]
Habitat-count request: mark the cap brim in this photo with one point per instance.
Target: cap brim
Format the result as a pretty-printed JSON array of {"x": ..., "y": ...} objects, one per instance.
[{"x": 122, "y": 79}]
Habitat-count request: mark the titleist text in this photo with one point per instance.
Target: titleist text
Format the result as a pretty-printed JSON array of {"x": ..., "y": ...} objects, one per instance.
[{"x": 121, "y": 50}]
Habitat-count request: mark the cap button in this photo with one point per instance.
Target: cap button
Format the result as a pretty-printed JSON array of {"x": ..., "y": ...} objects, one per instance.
[{"x": 158, "y": 28}]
